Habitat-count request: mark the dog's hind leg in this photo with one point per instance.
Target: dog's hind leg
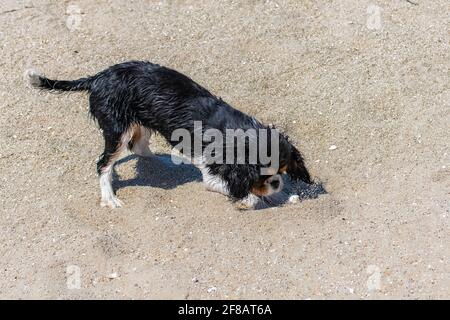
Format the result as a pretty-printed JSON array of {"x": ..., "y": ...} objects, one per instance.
[
  {"x": 140, "y": 141},
  {"x": 115, "y": 144}
]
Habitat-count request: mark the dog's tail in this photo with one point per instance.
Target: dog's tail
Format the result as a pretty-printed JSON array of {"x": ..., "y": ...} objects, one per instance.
[{"x": 40, "y": 82}]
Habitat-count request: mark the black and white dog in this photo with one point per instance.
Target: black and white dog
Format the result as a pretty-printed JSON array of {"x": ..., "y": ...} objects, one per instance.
[{"x": 132, "y": 100}]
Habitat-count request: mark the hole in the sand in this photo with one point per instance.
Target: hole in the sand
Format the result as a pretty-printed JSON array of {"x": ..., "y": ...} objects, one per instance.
[{"x": 291, "y": 188}]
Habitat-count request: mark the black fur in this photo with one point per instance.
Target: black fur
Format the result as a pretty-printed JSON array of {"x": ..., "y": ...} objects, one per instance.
[{"x": 164, "y": 100}]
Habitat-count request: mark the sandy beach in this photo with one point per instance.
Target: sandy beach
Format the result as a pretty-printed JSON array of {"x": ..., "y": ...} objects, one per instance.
[{"x": 362, "y": 87}]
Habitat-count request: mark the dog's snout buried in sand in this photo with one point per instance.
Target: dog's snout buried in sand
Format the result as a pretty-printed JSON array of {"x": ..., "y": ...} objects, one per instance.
[{"x": 133, "y": 100}]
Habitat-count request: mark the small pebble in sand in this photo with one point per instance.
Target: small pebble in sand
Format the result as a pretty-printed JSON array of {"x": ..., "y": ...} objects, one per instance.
[
  {"x": 212, "y": 289},
  {"x": 294, "y": 198},
  {"x": 333, "y": 147},
  {"x": 113, "y": 275}
]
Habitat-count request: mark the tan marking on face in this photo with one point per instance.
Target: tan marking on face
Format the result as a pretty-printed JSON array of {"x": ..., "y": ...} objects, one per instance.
[{"x": 260, "y": 190}]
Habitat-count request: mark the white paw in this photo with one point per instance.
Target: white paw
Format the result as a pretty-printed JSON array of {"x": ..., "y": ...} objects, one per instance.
[
  {"x": 248, "y": 203},
  {"x": 243, "y": 206},
  {"x": 111, "y": 202}
]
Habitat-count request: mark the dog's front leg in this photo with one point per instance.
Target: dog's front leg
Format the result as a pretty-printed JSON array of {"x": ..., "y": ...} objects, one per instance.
[
  {"x": 249, "y": 202},
  {"x": 214, "y": 183}
]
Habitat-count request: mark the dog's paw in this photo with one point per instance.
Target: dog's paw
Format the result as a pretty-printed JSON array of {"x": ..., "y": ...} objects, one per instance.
[
  {"x": 248, "y": 203},
  {"x": 112, "y": 203},
  {"x": 243, "y": 206}
]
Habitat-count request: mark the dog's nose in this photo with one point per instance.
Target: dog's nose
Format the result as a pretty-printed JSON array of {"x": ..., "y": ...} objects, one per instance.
[{"x": 275, "y": 183}]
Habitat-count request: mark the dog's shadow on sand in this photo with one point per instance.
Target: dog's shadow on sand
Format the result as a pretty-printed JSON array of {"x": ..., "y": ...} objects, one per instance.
[{"x": 160, "y": 171}]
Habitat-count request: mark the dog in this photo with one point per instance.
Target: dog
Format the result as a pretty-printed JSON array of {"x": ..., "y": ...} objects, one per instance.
[{"x": 132, "y": 100}]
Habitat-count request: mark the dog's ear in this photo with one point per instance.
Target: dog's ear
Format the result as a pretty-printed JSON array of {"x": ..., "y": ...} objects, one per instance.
[
  {"x": 296, "y": 167},
  {"x": 240, "y": 179}
]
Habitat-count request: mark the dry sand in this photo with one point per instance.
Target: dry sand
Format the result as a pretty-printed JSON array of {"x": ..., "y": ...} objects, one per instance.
[{"x": 370, "y": 77}]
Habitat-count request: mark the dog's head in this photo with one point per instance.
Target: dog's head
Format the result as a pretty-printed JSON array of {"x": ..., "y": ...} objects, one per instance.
[
  {"x": 245, "y": 179},
  {"x": 291, "y": 161}
]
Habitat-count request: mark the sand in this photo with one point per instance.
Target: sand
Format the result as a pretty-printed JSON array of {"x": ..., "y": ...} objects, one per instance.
[{"x": 362, "y": 87}]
